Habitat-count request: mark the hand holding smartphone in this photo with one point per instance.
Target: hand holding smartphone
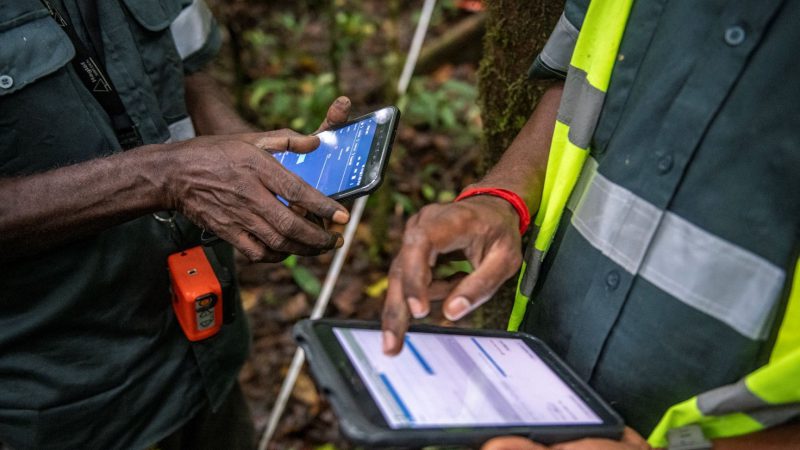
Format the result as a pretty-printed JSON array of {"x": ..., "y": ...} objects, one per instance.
[{"x": 351, "y": 157}]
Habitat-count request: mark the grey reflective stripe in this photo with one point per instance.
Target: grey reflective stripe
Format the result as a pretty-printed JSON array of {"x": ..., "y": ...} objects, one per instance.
[
  {"x": 704, "y": 271},
  {"x": 557, "y": 52},
  {"x": 737, "y": 398},
  {"x": 616, "y": 222},
  {"x": 776, "y": 414},
  {"x": 181, "y": 130},
  {"x": 190, "y": 30},
  {"x": 582, "y": 185},
  {"x": 533, "y": 262},
  {"x": 580, "y": 107},
  {"x": 715, "y": 276},
  {"x": 728, "y": 399}
]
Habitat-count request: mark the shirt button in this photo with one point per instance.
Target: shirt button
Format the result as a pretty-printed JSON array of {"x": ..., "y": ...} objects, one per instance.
[
  {"x": 735, "y": 35},
  {"x": 612, "y": 280},
  {"x": 6, "y": 81},
  {"x": 665, "y": 164}
]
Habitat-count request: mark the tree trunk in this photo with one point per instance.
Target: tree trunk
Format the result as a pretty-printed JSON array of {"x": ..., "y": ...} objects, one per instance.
[{"x": 516, "y": 31}]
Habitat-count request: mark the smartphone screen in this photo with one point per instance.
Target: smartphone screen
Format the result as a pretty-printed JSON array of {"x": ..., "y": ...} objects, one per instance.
[
  {"x": 339, "y": 163},
  {"x": 450, "y": 380}
]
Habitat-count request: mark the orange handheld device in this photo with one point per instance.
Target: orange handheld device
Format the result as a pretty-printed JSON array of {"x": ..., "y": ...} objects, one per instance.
[{"x": 201, "y": 292}]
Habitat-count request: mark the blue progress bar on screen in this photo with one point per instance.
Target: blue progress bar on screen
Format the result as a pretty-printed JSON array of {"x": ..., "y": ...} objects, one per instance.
[
  {"x": 419, "y": 357},
  {"x": 491, "y": 360},
  {"x": 396, "y": 397}
]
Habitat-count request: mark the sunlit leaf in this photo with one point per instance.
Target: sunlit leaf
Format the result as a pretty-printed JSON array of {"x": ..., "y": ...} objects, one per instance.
[
  {"x": 327, "y": 446},
  {"x": 376, "y": 289},
  {"x": 290, "y": 262}
]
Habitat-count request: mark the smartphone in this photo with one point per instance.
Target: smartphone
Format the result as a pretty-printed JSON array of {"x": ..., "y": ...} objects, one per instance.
[
  {"x": 449, "y": 386},
  {"x": 351, "y": 158}
]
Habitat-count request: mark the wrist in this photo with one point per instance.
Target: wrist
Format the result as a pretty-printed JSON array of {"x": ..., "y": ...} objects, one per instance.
[
  {"x": 508, "y": 196},
  {"x": 160, "y": 162}
]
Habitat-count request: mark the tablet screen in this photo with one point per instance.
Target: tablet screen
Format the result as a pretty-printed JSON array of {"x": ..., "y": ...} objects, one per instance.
[{"x": 450, "y": 380}]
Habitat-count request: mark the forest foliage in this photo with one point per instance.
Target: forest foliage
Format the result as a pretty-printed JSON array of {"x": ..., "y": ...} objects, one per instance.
[{"x": 284, "y": 62}]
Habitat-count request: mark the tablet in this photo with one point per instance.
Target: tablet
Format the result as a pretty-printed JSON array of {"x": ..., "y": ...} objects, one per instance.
[{"x": 449, "y": 386}]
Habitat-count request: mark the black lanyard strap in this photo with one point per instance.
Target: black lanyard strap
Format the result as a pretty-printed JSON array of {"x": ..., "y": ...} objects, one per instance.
[{"x": 94, "y": 77}]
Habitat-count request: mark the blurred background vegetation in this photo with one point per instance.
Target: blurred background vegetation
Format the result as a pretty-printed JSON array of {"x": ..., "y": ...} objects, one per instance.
[{"x": 284, "y": 62}]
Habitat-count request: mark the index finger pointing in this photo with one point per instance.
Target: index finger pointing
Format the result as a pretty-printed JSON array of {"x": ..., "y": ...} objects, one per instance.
[
  {"x": 394, "y": 320},
  {"x": 414, "y": 265}
]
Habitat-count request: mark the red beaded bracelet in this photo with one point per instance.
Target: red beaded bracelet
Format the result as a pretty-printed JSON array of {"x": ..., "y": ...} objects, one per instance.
[{"x": 509, "y": 196}]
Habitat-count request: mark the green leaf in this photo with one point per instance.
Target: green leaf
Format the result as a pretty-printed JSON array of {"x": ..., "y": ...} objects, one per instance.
[
  {"x": 290, "y": 262},
  {"x": 460, "y": 89},
  {"x": 428, "y": 192},
  {"x": 298, "y": 123},
  {"x": 325, "y": 78},
  {"x": 404, "y": 201},
  {"x": 446, "y": 196},
  {"x": 448, "y": 117},
  {"x": 307, "y": 281},
  {"x": 453, "y": 267},
  {"x": 327, "y": 446}
]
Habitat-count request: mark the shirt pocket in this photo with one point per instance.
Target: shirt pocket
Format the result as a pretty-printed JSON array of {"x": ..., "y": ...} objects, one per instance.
[
  {"x": 33, "y": 45},
  {"x": 155, "y": 15},
  {"x": 47, "y": 117}
]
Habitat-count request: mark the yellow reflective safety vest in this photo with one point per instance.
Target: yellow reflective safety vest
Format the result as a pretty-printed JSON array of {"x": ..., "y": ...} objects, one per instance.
[{"x": 764, "y": 398}]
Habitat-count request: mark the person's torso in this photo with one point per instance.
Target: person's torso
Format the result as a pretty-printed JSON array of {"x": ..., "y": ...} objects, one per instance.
[
  {"x": 91, "y": 349},
  {"x": 666, "y": 278}
]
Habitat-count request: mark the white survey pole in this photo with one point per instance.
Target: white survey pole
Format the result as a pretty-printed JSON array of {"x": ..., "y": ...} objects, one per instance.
[{"x": 316, "y": 313}]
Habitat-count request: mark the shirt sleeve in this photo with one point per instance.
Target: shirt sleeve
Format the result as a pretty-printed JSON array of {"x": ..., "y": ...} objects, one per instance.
[
  {"x": 553, "y": 61},
  {"x": 196, "y": 36}
]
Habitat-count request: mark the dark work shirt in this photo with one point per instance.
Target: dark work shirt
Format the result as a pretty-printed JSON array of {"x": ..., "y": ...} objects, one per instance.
[
  {"x": 667, "y": 275},
  {"x": 92, "y": 354}
]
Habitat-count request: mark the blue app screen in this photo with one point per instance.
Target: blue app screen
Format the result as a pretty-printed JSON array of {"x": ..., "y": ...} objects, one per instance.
[{"x": 338, "y": 163}]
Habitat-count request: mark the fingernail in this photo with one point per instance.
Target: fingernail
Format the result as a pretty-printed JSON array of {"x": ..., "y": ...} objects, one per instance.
[
  {"x": 389, "y": 341},
  {"x": 457, "y": 308},
  {"x": 417, "y": 310},
  {"x": 343, "y": 101},
  {"x": 339, "y": 241},
  {"x": 341, "y": 217}
]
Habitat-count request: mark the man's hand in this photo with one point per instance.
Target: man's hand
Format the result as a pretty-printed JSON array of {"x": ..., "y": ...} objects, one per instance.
[
  {"x": 229, "y": 186},
  {"x": 631, "y": 440},
  {"x": 484, "y": 228}
]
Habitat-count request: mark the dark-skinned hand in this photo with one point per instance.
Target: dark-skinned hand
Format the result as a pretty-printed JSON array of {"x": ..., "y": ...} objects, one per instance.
[
  {"x": 484, "y": 229},
  {"x": 229, "y": 185},
  {"x": 631, "y": 440}
]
